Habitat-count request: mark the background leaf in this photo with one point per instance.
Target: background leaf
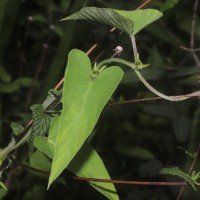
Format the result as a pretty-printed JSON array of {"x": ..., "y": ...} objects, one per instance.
[
  {"x": 41, "y": 122},
  {"x": 135, "y": 152},
  {"x": 176, "y": 171},
  {"x": 104, "y": 15},
  {"x": 16, "y": 128},
  {"x": 168, "y": 5},
  {"x": 17, "y": 84},
  {"x": 83, "y": 101}
]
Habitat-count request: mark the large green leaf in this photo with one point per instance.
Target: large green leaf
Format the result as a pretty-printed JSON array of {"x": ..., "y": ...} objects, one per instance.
[
  {"x": 140, "y": 18},
  {"x": 86, "y": 162},
  {"x": 103, "y": 15},
  {"x": 83, "y": 100}
]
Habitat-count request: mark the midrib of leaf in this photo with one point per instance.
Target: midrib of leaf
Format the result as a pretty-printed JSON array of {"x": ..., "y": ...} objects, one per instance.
[
  {"x": 80, "y": 113},
  {"x": 83, "y": 104}
]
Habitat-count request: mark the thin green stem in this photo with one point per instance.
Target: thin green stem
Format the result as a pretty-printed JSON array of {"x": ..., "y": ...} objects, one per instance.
[
  {"x": 142, "y": 79},
  {"x": 135, "y": 52},
  {"x": 118, "y": 60},
  {"x": 152, "y": 89},
  {"x": 5, "y": 152}
]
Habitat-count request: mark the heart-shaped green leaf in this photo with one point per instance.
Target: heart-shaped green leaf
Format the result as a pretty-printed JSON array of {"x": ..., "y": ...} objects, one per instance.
[{"x": 83, "y": 100}]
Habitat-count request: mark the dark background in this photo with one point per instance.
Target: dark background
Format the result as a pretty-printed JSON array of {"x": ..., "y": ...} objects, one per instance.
[{"x": 135, "y": 140}]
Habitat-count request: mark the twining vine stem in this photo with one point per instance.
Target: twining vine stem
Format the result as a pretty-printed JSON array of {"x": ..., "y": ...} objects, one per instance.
[
  {"x": 142, "y": 79},
  {"x": 152, "y": 89}
]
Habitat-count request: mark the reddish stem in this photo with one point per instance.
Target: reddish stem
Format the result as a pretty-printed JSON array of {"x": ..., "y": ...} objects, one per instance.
[
  {"x": 153, "y": 98},
  {"x": 121, "y": 182},
  {"x": 124, "y": 182}
]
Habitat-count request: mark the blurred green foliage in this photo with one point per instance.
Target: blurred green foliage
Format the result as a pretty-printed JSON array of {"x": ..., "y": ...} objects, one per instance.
[{"x": 135, "y": 140}]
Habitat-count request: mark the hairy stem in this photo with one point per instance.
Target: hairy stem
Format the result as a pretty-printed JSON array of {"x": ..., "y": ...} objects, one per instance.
[
  {"x": 151, "y": 88},
  {"x": 142, "y": 79},
  {"x": 169, "y": 98},
  {"x": 118, "y": 60},
  {"x": 135, "y": 52}
]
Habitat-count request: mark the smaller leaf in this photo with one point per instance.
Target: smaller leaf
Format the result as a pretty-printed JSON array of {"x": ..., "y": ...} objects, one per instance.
[
  {"x": 178, "y": 172},
  {"x": 16, "y": 128},
  {"x": 41, "y": 122},
  {"x": 104, "y": 15}
]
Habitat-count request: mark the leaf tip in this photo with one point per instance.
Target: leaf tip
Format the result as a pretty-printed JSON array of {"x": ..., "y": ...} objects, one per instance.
[
  {"x": 66, "y": 18},
  {"x": 50, "y": 182}
]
